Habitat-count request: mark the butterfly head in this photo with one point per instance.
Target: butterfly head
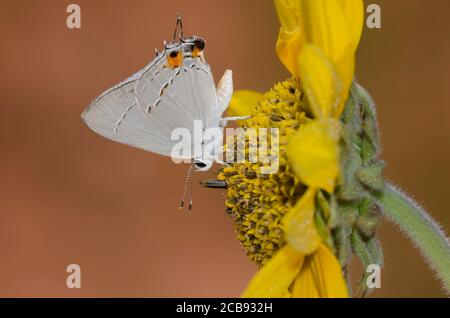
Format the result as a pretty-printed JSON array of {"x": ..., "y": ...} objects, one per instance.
[
  {"x": 181, "y": 47},
  {"x": 195, "y": 45}
]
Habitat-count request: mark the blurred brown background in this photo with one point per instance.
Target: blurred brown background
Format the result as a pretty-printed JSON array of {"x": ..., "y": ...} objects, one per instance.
[{"x": 70, "y": 196}]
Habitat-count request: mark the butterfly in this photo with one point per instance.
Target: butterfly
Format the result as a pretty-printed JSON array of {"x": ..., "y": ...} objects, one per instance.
[{"x": 174, "y": 90}]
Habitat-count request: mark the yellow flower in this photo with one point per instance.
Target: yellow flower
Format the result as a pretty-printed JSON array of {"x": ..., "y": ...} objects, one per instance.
[
  {"x": 278, "y": 218},
  {"x": 274, "y": 216}
]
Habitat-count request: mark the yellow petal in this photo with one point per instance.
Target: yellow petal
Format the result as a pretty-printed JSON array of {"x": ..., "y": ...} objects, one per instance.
[
  {"x": 243, "y": 103},
  {"x": 326, "y": 27},
  {"x": 299, "y": 226},
  {"x": 354, "y": 14},
  {"x": 313, "y": 153},
  {"x": 289, "y": 13},
  {"x": 345, "y": 68},
  {"x": 274, "y": 279},
  {"x": 335, "y": 28},
  {"x": 321, "y": 84},
  {"x": 291, "y": 37},
  {"x": 289, "y": 45},
  {"x": 321, "y": 276}
]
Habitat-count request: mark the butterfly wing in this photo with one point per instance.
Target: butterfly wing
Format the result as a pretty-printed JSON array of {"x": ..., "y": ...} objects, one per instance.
[
  {"x": 143, "y": 110},
  {"x": 224, "y": 92}
]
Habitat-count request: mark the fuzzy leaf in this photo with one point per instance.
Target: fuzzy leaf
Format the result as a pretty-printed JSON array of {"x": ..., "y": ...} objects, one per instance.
[{"x": 372, "y": 176}]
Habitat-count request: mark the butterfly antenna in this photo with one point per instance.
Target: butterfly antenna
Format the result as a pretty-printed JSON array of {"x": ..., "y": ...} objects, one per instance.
[
  {"x": 179, "y": 25},
  {"x": 190, "y": 193},
  {"x": 187, "y": 180}
]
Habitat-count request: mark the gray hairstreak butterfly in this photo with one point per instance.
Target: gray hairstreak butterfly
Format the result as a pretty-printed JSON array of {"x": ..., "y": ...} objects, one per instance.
[{"x": 173, "y": 91}]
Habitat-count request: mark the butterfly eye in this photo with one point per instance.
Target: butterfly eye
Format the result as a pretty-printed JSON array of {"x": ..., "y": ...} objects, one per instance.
[
  {"x": 199, "y": 46},
  {"x": 174, "y": 59},
  {"x": 200, "y": 164}
]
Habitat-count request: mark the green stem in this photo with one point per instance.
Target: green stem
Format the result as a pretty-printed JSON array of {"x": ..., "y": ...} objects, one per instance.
[{"x": 420, "y": 228}]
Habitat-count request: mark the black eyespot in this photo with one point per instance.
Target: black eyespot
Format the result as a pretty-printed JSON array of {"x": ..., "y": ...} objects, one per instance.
[
  {"x": 200, "y": 164},
  {"x": 200, "y": 44},
  {"x": 173, "y": 54}
]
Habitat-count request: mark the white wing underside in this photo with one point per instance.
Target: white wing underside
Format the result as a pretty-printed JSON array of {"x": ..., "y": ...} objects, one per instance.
[
  {"x": 224, "y": 92},
  {"x": 143, "y": 110}
]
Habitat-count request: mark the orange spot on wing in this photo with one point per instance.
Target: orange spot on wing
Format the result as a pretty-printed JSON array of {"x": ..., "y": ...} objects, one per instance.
[{"x": 174, "y": 61}]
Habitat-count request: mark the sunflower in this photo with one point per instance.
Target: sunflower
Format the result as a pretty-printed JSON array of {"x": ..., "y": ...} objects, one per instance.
[
  {"x": 279, "y": 219},
  {"x": 302, "y": 224}
]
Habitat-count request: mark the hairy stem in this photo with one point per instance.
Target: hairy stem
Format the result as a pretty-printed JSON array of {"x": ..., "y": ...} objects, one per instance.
[{"x": 420, "y": 228}]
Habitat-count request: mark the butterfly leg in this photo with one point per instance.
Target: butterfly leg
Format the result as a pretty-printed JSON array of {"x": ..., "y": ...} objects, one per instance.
[{"x": 219, "y": 157}]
